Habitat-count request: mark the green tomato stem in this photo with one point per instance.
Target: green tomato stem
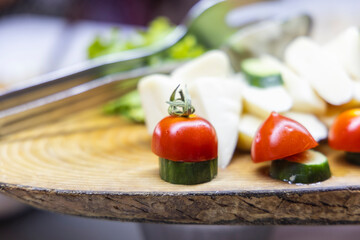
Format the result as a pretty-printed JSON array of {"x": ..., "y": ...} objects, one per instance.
[{"x": 180, "y": 106}]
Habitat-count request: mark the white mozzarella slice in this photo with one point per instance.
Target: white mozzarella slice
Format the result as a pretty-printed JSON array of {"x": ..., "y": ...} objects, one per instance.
[
  {"x": 154, "y": 91},
  {"x": 211, "y": 64},
  {"x": 304, "y": 97},
  {"x": 316, "y": 128},
  {"x": 262, "y": 101},
  {"x": 220, "y": 103},
  {"x": 321, "y": 69},
  {"x": 346, "y": 47}
]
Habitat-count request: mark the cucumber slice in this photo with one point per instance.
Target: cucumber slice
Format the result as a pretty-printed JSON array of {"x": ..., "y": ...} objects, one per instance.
[
  {"x": 353, "y": 157},
  {"x": 188, "y": 173},
  {"x": 260, "y": 73},
  {"x": 306, "y": 167}
]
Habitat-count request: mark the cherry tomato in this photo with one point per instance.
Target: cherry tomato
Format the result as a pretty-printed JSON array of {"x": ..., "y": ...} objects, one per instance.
[
  {"x": 187, "y": 139},
  {"x": 279, "y": 137},
  {"x": 344, "y": 133}
]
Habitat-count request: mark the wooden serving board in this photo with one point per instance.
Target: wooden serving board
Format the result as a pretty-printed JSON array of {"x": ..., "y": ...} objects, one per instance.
[{"x": 101, "y": 166}]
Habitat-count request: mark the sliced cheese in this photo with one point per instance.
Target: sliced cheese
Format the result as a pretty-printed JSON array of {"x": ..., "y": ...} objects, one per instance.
[
  {"x": 247, "y": 128},
  {"x": 211, "y": 64},
  {"x": 220, "y": 103},
  {"x": 262, "y": 101},
  {"x": 154, "y": 91},
  {"x": 304, "y": 97},
  {"x": 321, "y": 68},
  {"x": 346, "y": 47},
  {"x": 316, "y": 128}
]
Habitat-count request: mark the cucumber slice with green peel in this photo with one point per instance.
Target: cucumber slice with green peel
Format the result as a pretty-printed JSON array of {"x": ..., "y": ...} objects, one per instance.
[
  {"x": 260, "y": 73},
  {"x": 306, "y": 167},
  {"x": 353, "y": 157},
  {"x": 188, "y": 173}
]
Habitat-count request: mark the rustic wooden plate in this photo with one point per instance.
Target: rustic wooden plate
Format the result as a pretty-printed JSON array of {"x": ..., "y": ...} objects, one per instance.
[{"x": 101, "y": 166}]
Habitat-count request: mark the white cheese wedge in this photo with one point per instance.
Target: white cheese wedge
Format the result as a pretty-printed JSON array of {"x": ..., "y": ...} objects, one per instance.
[
  {"x": 316, "y": 128},
  {"x": 220, "y": 103},
  {"x": 321, "y": 69},
  {"x": 346, "y": 47},
  {"x": 211, "y": 64},
  {"x": 154, "y": 91},
  {"x": 304, "y": 97},
  {"x": 247, "y": 128},
  {"x": 262, "y": 101}
]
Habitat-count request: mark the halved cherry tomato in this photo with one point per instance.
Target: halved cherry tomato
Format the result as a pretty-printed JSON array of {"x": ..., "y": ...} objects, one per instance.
[
  {"x": 344, "y": 134},
  {"x": 279, "y": 137},
  {"x": 187, "y": 139}
]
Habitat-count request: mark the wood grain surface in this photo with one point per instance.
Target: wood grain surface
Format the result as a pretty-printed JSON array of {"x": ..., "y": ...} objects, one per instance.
[{"x": 101, "y": 166}]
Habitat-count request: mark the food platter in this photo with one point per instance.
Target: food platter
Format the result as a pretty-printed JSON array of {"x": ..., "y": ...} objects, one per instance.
[
  {"x": 92, "y": 165},
  {"x": 101, "y": 166}
]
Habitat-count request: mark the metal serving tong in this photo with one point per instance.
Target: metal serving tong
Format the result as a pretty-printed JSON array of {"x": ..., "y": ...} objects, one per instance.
[{"x": 54, "y": 95}]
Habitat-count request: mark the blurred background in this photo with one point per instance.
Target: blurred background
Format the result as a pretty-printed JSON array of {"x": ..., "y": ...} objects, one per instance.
[{"x": 40, "y": 36}]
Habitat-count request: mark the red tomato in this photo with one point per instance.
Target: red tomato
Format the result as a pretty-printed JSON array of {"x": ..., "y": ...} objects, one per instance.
[
  {"x": 187, "y": 139},
  {"x": 279, "y": 137},
  {"x": 344, "y": 134}
]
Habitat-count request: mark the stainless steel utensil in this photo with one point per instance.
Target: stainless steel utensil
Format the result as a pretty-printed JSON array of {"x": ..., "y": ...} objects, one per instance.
[
  {"x": 53, "y": 95},
  {"x": 199, "y": 17},
  {"x": 77, "y": 98}
]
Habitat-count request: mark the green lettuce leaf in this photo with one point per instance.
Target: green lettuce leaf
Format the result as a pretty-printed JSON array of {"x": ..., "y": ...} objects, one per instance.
[{"x": 158, "y": 29}]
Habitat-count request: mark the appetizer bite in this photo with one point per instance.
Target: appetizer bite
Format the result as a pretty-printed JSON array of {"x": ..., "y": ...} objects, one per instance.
[
  {"x": 215, "y": 95},
  {"x": 185, "y": 143},
  {"x": 287, "y": 144},
  {"x": 344, "y": 134}
]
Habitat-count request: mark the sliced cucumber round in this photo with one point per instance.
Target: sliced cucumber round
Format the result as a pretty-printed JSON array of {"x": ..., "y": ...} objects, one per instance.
[
  {"x": 188, "y": 173},
  {"x": 353, "y": 157},
  {"x": 307, "y": 167},
  {"x": 260, "y": 73}
]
